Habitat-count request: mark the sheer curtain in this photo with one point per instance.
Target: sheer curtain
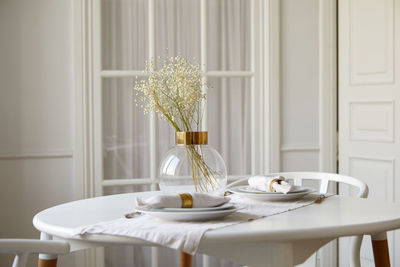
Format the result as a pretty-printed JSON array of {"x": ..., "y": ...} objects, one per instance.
[{"x": 126, "y": 141}]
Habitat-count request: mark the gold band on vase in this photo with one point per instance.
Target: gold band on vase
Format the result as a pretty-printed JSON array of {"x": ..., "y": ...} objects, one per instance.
[
  {"x": 191, "y": 138},
  {"x": 187, "y": 200}
]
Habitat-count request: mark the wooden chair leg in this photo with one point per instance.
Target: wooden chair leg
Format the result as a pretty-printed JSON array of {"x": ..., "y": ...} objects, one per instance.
[
  {"x": 186, "y": 259},
  {"x": 381, "y": 250},
  {"x": 47, "y": 263}
]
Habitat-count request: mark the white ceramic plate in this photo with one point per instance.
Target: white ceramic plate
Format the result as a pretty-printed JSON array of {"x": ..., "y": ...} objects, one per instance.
[
  {"x": 248, "y": 189},
  {"x": 271, "y": 197},
  {"x": 189, "y": 216},
  {"x": 222, "y": 207}
]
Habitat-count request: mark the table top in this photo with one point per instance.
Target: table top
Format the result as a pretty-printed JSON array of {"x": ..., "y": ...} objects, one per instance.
[{"x": 335, "y": 216}]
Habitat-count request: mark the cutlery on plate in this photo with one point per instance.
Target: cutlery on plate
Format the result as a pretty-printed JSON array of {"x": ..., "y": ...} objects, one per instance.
[
  {"x": 320, "y": 199},
  {"x": 227, "y": 193},
  {"x": 132, "y": 214}
]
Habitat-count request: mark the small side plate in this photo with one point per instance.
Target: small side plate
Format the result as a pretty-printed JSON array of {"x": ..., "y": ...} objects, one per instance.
[
  {"x": 295, "y": 189},
  {"x": 271, "y": 197}
]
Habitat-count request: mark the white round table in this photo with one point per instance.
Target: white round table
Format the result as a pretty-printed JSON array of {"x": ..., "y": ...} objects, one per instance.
[{"x": 280, "y": 240}]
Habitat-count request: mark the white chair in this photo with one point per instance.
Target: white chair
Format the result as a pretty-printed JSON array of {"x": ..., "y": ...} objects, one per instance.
[
  {"x": 21, "y": 248},
  {"x": 325, "y": 179}
]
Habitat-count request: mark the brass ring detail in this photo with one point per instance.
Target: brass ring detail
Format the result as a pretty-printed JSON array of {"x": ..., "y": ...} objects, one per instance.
[
  {"x": 192, "y": 138},
  {"x": 187, "y": 200},
  {"x": 276, "y": 180}
]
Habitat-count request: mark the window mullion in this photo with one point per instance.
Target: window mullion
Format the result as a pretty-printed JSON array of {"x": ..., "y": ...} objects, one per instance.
[
  {"x": 203, "y": 51},
  {"x": 229, "y": 73},
  {"x": 253, "y": 108},
  {"x": 122, "y": 73},
  {"x": 153, "y": 122},
  {"x": 213, "y": 73},
  {"x": 153, "y": 125},
  {"x": 204, "y": 67}
]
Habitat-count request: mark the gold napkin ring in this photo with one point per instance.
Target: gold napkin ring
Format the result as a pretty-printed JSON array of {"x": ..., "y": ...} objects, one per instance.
[
  {"x": 187, "y": 200},
  {"x": 271, "y": 188}
]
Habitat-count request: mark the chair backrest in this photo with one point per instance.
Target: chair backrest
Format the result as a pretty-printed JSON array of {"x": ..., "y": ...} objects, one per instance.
[
  {"x": 21, "y": 248},
  {"x": 324, "y": 178}
]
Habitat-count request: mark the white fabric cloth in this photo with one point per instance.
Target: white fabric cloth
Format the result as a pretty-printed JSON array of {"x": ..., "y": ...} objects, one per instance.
[
  {"x": 263, "y": 183},
  {"x": 200, "y": 200},
  {"x": 186, "y": 236}
]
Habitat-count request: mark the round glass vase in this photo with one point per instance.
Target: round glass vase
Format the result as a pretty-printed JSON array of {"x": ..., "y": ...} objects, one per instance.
[{"x": 192, "y": 166}]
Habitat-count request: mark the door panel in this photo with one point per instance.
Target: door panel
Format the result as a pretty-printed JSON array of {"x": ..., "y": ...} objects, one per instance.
[
  {"x": 370, "y": 24},
  {"x": 369, "y": 95}
]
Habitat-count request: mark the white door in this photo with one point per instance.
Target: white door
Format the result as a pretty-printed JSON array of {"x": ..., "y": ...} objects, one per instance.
[{"x": 369, "y": 98}]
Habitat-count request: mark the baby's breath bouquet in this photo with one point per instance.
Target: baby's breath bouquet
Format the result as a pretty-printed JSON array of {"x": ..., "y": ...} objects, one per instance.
[{"x": 175, "y": 93}]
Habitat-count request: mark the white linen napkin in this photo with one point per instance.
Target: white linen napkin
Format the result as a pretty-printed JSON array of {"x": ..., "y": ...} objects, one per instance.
[
  {"x": 200, "y": 200},
  {"x": 263, "y": 183}
]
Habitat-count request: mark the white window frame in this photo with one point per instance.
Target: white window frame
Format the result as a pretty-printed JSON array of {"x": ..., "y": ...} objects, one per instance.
[
  {"x": 265, "y": 102},
  {"x": 257, "y": 89}
]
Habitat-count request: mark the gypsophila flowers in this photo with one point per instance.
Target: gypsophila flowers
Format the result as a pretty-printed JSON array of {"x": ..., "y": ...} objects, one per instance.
[{"x": 174, "y": 93}]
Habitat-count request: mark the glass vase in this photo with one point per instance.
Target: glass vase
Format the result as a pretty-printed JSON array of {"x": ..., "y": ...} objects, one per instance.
[{"x": 192, "y": 166}]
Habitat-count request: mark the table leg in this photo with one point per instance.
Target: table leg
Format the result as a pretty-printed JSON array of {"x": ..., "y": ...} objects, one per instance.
[
  {"x": 186, "y": 259},
  {"x": 47, "y": 260},
  {"x": 381, "y": 250},
  {"x": 47, "y": 263}
]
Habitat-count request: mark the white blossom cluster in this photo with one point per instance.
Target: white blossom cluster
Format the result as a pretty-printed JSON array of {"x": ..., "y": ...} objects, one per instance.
[{"x": 174, "y": 93}]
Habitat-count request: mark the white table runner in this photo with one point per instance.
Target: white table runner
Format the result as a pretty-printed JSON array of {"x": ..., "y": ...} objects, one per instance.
[{"x": 186, "y": 236}]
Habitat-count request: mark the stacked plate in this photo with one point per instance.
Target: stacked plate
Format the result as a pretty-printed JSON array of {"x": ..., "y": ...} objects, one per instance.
[
  {"x": 192, "y": 214},
  {"x": 248, "y": 192}
]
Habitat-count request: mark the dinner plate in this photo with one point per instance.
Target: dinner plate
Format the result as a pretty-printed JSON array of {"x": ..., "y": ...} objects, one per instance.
[
  {"x": 295, "y": 189},
  {"x": 222, "y": 207},
  {"x": 189, "y": 216},
  {"x": 271, "y": 197}
]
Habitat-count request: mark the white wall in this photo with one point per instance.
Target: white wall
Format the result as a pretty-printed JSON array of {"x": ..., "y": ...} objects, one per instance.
[
  {"x": 307, "y": 93},
  {"x": 36, "y": 112},
  {"x": 299, "y": 85}
]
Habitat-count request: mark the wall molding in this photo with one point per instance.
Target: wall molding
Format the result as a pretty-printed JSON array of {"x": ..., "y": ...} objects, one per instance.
[
  {"x": 327, "y": 88},
  {"x": 299, "y": 148},
  {"x": 271, "y": 84},
  {"x": 327, "y": 85},
  {"x": 37, "y": 155},
  {"x": 84, "y": 132},
  {"x": 85, "y": 83}
]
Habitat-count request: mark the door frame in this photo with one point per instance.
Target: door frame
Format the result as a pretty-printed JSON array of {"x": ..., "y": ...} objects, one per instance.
[{"x": 328, "y": 97}]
